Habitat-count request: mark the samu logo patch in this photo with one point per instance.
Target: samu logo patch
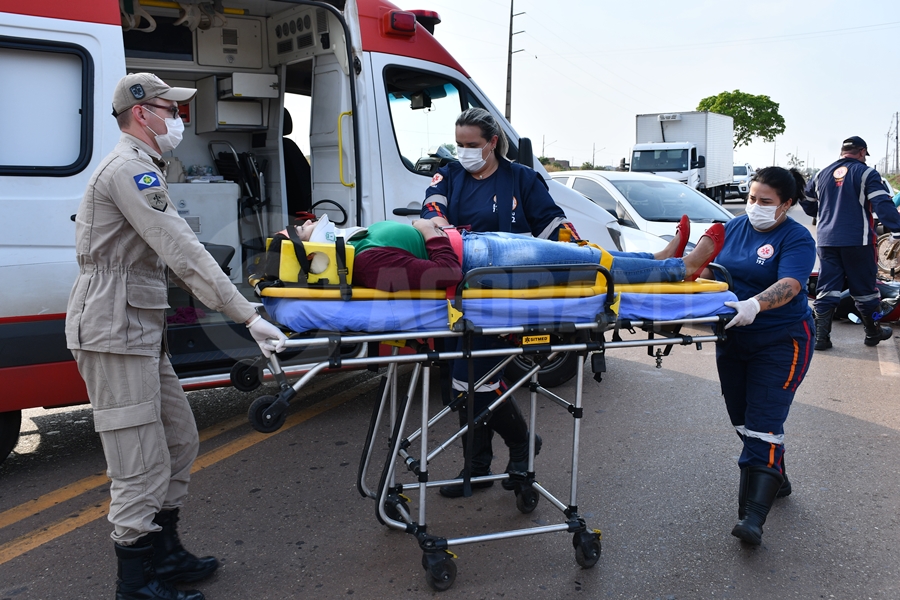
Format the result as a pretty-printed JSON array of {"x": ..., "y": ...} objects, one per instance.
[{"x": 146, "y": 180}]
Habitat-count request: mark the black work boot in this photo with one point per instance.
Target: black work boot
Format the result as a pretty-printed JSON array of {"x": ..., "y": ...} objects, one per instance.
[
  {"x": 137, "y": 579},
  {"x": 480, "y": 463},
  {"x": 508, "y": 421},
  {"x": 823, "y": 329},
  {"x": 518, "y": 461},
  {"x": 174, "y": 564},
  {"x": 785, "y": 489},
  {"x": 875, "y": 332},
  {"x": 759, "y": 485}
]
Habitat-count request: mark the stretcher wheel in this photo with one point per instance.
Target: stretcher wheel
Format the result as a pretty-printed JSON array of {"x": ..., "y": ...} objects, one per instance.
[
  {"x": 258, "y": 419},
  {"x": 246, "y": 375},
  {"x": 397, "y": 508},
  {"x": 558, "y": 371},
  {"x": 587, "y": 548},
  {"x": 527, "y": 500},
  {"x": 441, "y": 574}
]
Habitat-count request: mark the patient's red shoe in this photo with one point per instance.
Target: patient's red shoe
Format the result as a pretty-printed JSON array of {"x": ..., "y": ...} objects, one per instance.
[
  {"x": 683, "y": 230},
  {"x": 717, "y": 234}
]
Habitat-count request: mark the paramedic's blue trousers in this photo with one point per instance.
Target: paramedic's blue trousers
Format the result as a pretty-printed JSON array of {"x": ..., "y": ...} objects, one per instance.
[
  {"x": 760, "y": 372},
  {"x": 859, "y": 266}
]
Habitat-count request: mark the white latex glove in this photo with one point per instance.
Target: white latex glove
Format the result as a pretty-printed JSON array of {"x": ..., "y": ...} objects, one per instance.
[
  {"x": 269, "y": 337},
  {"x": 746, "y": 312}
]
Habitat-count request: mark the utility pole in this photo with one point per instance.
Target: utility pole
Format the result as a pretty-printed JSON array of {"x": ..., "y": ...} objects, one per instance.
[
  {"x": 774, "y": 145},
  {"x": 896, "y": 142},
  {"x": 512, "y": 14}
]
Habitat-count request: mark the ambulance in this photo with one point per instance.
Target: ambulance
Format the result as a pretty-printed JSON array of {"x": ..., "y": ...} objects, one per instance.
[{"x": 376, "y": 92}]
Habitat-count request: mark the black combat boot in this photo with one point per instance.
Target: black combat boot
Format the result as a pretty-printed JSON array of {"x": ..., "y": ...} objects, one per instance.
[
  {"x": 759, "y": 485},
  {"x": 137, "y": 579},
  {"x": 482, "y": 451},
  {"x": 823, "y": 329},
  {"x": 482, "y": 454},
  {"x": 174, "y": 564},
  {"x": 509, "y": 422},
  {"x": 785, "y": 489},
  {"x": 875, "y": 332}
]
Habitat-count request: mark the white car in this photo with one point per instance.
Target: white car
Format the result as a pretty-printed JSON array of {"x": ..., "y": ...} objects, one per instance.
[
  {"x": 649, "y": 203},
  {"x": 740, "y": 185}
]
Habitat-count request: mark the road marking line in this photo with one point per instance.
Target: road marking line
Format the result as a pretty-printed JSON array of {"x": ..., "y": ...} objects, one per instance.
[
  {"x": 34, "y": 539},
  {"x": 77, "y": 488},
  {"x": 888, "y": 361}
]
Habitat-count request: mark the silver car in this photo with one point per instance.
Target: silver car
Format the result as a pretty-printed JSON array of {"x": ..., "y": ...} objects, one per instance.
[{"x": 649, "y": 203}]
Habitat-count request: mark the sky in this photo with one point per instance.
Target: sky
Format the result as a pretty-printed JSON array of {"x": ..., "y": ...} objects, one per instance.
[{"x": 587, "y": 67}]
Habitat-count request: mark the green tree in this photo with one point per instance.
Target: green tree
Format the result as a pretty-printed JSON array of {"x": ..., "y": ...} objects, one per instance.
[
  {"x": 451, "y": 148},
  {"x": 587, "y": 166},
  {"x": 754, "y": 116},
  {"x": 544, "y": 160}
]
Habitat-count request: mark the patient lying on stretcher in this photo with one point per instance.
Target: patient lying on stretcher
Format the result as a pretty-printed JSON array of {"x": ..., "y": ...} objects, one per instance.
[{"x": 393, "y": 256}]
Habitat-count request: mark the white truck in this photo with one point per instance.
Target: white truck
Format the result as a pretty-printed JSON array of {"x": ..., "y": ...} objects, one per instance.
[{"x": 695, "y": 148}]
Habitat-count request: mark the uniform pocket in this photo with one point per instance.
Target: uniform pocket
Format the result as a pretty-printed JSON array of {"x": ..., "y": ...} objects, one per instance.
[
  {"x": 147, "y": 296},
  {"x": 146, "y": 314},
  {"x": 132, "y": 441}
]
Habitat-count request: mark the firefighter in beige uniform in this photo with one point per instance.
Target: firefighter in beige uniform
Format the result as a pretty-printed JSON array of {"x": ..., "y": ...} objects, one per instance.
[{"x": 128, "y": 235}]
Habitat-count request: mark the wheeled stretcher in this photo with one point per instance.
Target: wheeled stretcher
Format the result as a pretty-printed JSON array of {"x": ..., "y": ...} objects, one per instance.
[{"x": 541, "y": 324}]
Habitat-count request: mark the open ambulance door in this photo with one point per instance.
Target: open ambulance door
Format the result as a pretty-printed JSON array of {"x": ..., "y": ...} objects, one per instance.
[{"x": 318, "y": 85}]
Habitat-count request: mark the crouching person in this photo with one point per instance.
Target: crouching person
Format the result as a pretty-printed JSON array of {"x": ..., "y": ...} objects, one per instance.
[{"x": 128, "y": 235}]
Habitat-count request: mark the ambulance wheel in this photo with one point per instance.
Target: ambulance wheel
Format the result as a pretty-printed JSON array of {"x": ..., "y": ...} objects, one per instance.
[
  {"x": 587, "y": 548},
  {"x": 246, "y": 375},
  {"x": 558, "y": 371},
  {"x": 258, "y": 419},
  {"x": 527, "y": 500},
  {"x": 440, "y": 575},
  {"x": 10, "y": 423}
]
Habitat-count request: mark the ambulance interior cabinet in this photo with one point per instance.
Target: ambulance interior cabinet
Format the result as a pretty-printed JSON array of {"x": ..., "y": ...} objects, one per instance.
[
  {"x": 211, "y": 209},
  {"x": 236, "y": 103}
]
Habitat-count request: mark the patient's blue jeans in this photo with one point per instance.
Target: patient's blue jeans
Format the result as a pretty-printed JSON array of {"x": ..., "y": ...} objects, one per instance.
[{"x": 500, "y": 249}]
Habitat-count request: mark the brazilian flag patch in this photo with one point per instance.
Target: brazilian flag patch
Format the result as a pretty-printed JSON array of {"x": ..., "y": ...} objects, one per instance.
[{"x": 146, "y": 180}]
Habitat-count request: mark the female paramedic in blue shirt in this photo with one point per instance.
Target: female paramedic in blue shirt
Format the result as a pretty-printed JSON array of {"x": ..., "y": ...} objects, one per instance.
[
  {"x": 487, "y": 193},
  {"x": 770, "y": 340}
]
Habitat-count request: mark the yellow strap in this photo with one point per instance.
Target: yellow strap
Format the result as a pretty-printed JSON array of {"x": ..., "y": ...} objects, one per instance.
[
  {"x": 453, "y": 315},
  {"x": 615, "y": 305}
]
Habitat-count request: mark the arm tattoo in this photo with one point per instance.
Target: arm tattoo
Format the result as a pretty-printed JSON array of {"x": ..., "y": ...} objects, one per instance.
[{"x": 778, "y": 294}]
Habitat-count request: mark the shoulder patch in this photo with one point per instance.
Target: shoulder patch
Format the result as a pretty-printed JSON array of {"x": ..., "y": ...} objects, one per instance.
[
  {"x": 158, "y": 200},
  {"x": 436, "y": 179},
  {"x": 146, "y": 180}
]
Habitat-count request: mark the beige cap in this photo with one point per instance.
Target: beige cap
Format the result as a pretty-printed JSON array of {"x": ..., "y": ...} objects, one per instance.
[{"x": 137, "y": 88}]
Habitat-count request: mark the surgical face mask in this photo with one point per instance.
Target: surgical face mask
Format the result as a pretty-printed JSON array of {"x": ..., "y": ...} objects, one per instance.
[
  {"x": 170, "y": 140},
  {"x": 762, "y": 217},
  {"x": 471, "y": 158}
]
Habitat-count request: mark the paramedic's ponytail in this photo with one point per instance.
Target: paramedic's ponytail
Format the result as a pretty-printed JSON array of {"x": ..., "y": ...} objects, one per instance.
[{"x": 484, "y": 121}]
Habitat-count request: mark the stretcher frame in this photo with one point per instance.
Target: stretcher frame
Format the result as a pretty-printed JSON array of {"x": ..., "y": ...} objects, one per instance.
[{"x": 267, "y": 413}]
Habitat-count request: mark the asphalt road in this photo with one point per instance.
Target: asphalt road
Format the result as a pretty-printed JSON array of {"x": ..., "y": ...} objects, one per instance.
[{"x": 657, "y": 474}]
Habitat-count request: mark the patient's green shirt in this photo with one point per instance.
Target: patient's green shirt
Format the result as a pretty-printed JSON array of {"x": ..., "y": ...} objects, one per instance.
[{"x": 391, "y": 234}]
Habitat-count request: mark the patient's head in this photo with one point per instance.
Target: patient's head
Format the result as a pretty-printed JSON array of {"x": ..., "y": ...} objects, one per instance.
[{"x": 305, "y": 230}]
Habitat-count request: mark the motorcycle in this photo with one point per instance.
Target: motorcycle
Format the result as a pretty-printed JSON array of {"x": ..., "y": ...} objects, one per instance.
[{"x": 888, "y": 284}]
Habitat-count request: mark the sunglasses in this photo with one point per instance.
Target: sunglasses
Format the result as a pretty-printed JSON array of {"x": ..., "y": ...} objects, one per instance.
[{"x": 171, "y": 109}]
